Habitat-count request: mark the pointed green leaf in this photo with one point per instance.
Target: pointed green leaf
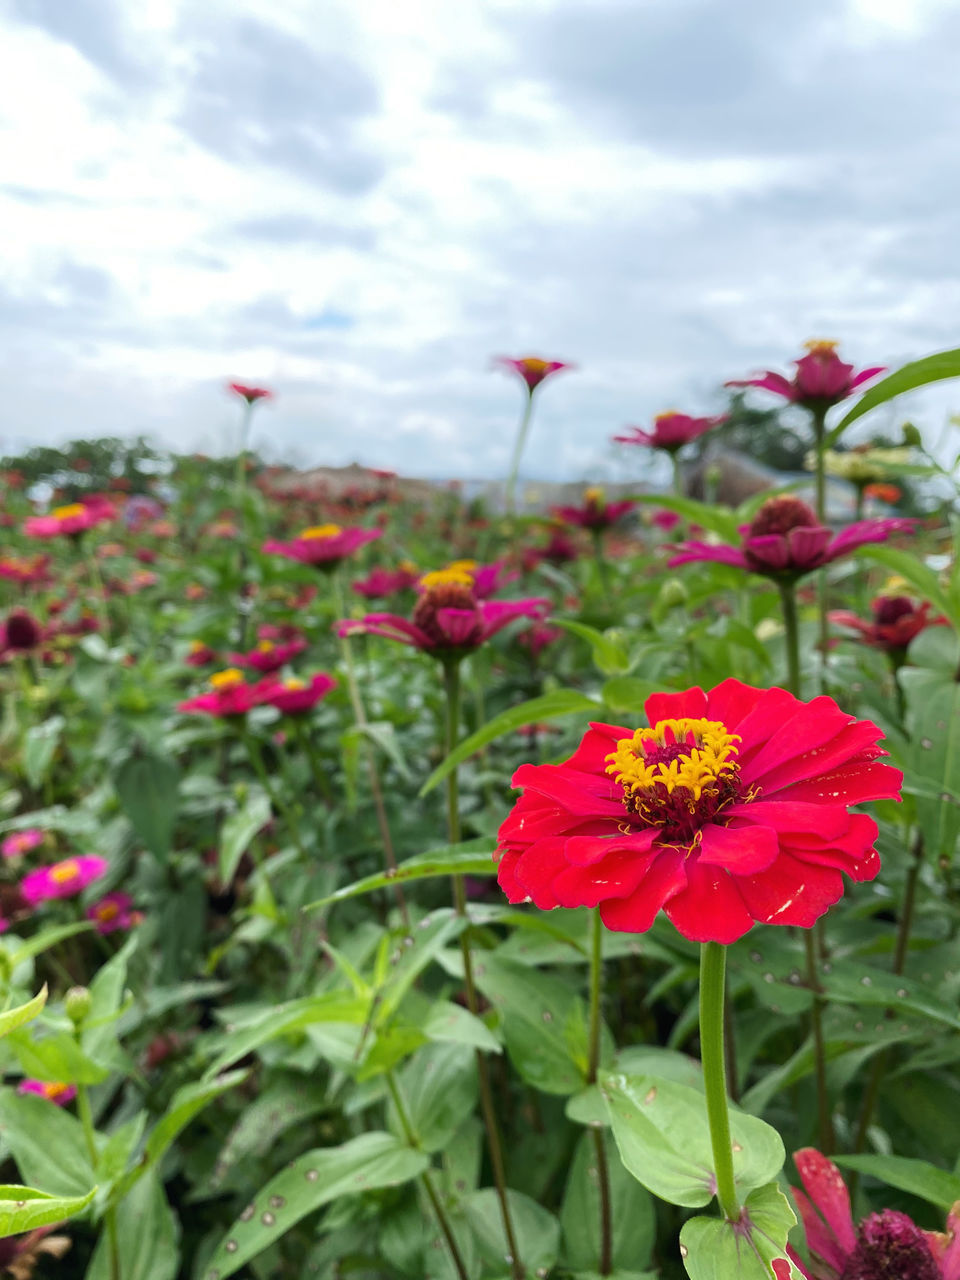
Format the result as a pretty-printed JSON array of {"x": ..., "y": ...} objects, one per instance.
[
  {"x": 454, "y": 860},
  {"x": 13, "y": 1018},
  {"x": 918, "y": 373},
  {"x": 148, "y": 787},
  {"x": 238, "y": 830},
  {"x": 916, "y": 1177},
  {"x": 26, "y": 1209}
]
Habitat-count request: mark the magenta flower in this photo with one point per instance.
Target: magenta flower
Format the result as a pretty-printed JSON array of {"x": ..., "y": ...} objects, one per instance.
[
  {"x": 448, "y": 620},
  {"x": 671, "y": 431},
  {"x": 486, "y": 579},
  {"x": 52, "y": 1090},
  {"x": 230, "y": 696},
  {"x": 250, "y": 394},
  {"x": 380, "y": 583},
  {"x": 538, "y": 636},
  {"x": 596, "y": 513},
  {"x": 665, "y": 520},
  {"x": 20, "y": 842},
  {"x": 62, "y": 879},
  {"x": 323, "y": 545},
  {"x": 113, "y": 912},
  {"x": 821, "y": 380},
  {"x": 293, "y": 696},
  {"x": 21, "y": 633},
  {"x": 884, "y": 1244},
  {"x": 268, "y": 655},
  {"x": 559, "y": 549},
  {"x": 896, "y": 621},
  {"x": 532, "y": 369},
  {"x": 785, "y": 540},
  {"x": 200, "y": 654},
  {"x": 73, "y": 519}
]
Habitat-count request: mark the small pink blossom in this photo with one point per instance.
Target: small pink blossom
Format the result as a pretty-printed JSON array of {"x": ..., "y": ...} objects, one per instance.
[
  {"x": 268, "y": 655},
  {"x": 323, "y": 545},
  {"x": 52, "y": 1090},
  {"x": 73, "y": 519},
  {"x": 113, "y": 912},
  {"x": 380, "y": 583},
  {"x": 671, "y": 431},
  {"x": 821, "y": 379},
  {"x": 63, "y": 879},
  {"x": 294, "y": 695},
  {"x": 230, "y": 696},
  {"x": 532, "y": 369},
  {"x": 20, "y": 842},
  {"x": 250, "y": 394}
]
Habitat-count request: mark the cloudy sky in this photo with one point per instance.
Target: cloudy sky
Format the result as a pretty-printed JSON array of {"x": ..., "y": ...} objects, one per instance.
[{"x": 358, "y": 202}]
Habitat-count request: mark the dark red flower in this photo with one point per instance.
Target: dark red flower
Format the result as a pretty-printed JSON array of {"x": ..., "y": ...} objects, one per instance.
[
  {"x": 559, "y": 549},
  {"x": 323, "y": 546},
  {"x": 21, "y": 633},
  {"x": 671, "y": 431},
  {"x": 538, "y": 636},
  {"x": 896, "y": 621},
  {"x": 785, "y": 540},
  {"x": 821, "y": 380},
  {"x": 596, "y": 512},
  {"x": 731, "y": 809},
  {"x": 532, "y": 369},
  {"x": 250, "y": 394}
]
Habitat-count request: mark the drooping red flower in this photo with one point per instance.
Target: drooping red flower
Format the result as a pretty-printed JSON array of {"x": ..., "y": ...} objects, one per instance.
[
  {"x": 731, "y": 809},
  {"x": 896, "y": 621},
  {"x": 250, "y": 394},
  {"x": 821, "y": 379},
  {"x": 21, "y": 633},
  {"x": 532, "y": 369},
  {"x": 230, "y": 696},
  {"x": 671, "y": 431},
  {"x": 323, "y": 545},
  {"x": 268, "y": 655},
  {"x": 71, "y": 520},
  {"x": 886, "y": 1245},
  {"x": 785, "y": 540},
  {"x": 596, "y": 513},
  {"x": 380, "y": 583},
  {"x": 293, "y": 695},
  {"x": 448, "y": 620}
]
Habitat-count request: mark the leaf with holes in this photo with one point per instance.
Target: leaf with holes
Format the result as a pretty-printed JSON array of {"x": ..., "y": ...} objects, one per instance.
[{"x": 367, "y": 1163}]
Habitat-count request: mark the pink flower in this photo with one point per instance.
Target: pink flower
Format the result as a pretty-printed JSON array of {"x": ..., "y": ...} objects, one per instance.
[
  {"x": 20, "y": 842},
  {"x": 448, "y": 620},
  {"x": 385, "y": 582},
  {"x": 231, "y": 696},
  {"x": 250, "y": 394},
  {"x": 596, "y": 512},
  {"x": 532, "y": 369},
  {"x": 665, "y": 520},
  {"x": 294, "y": 695},
  {"x": 884, "y": 1244},
  {"x": 821, "y": 380},
  {"x": 113, "y": 912},
  {"x": 62, "y": 879},
  {"x": 671, "y": 431},
  {"x": 268, "y": 655},
  {"x": 52, "y": 1090},
  {"x": 560, "y": 549},
  {"x": 73, "y": 519},
  {"x": 200, "y": 654},
  {"x": 784, "y": 540},
  {"x": 896, "y": 621},
  {"x": 322, "y": 545},
  {"x": 537, "y": 636}
]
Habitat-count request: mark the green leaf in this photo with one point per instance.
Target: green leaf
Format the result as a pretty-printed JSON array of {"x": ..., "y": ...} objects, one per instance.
[
  {"x": 286, "y": 1018},
  {"x": 44, "y": 940},
  {"x": 39, "y": 747},
  {"x": 446, "y": 1022},
  {"x": 147, "y": 1238},
  {"x": 664, "y": 1139},
  {"x": 289, "y": 1100},
  {"x": 924, "y": 581},
  {"x": 714, "y": 1249},
  {"x": 14, "y": 1018},
  {"x": 628, "y": 693},
  {"x": 607, "y": 647},
  {"x": 918, "y": 373},
  {"x": 933, "y": 704},
  {"x": 238, "y": 830},
  {"x": 716, "y": 519},
  {"x": 454, "y": 860},
  {"x": 562, "y": 702},
  {"x": 56, "y": 1057},
  {"x": 47, "y": 1144},
  {"x": 536, "y": 1230},
  {"x": 916, "y": 1177},
  {"x": 438, "y": 1087},
  {"x": 25, "y": 1209},
  {"x": 148, "y": 787},
  {"x": 364, "y": 1164},
  {"x": 631, "y": 1211}
]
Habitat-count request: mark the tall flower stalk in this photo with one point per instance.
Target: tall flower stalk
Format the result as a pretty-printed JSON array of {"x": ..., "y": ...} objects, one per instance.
[
  {"x": 533, "y": 371},
  {"x": 713, "y": 963},
  {"x": 605, "y": 1260}
]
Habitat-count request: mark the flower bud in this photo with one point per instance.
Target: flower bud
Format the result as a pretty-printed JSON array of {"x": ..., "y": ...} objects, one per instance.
[
  {"x": 77, "y": 1004},
  {"x": 911, "y": 435},
  {"x": 672, "y": 594}
]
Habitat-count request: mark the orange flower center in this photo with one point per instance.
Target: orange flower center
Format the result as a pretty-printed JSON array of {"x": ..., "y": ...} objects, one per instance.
[
  {"x": 449, "y": 577},
  {"x": 64, "y": 872},
  {"x": 68, "y": 512},
  {"x": 229, "y": 679},
  {"x": 53, "y": 1089},
  {"x": 821, "y": 346},
  {"x": 266, "y": 646},
  {"x": 294, "y": 684},
  {"x": 107, "y": 911},
  {"x": 320, "y": 531}
]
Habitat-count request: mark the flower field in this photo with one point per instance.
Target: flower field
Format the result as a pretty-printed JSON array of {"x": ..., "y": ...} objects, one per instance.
[{"x": 403, "y": 888}]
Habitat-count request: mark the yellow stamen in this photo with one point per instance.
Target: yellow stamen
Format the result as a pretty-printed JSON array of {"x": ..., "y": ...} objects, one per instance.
[
  {"x": 593, "y": 496},
  {"x": 294, "y": 684},
  {"x": 710, "y": 757},
  {"x": 52, "y": 1090},
  {"x": 228, "y": 679},
  {"x": 67, "y": 512},
  {"x": 533, "y": 364},
  {"x": 408, "y": 566},
  {"x": 320, "y": 531},
  {"x": 197, "y": 646},
  {"x": 446, "y": 578},
  {"x": 107, "y": 911},
  {"x": 64, "y": 872},
  {"x": 821, "y": 346},
  {"x": 667, "y": 413},
  {"x": 265, "y": 646}
]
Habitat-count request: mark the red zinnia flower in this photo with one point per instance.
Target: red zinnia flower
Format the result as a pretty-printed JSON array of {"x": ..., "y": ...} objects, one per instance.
[
  {"x": 231, "y": 696},
  {"x": 114, "y": 912},
  {"x": 21, "y": 632},
  {"x": 821, "y": 380},
  {"x": 538, "y": 636},
  {"x": 386, "y": 582},
  {"x": 596, "y": 512},
  {"x": 885, "y": 1244},
  {"x": 200, "y": 654},
  {"x": 25, "y": 571},
  {"x": 896, "y": 621},
  {"x": 671, "y": 431},
  {"x": 268, "y": 655},
  {"x": 294, "y": 695},
  {"x": 731, "y": 809},
  {"x": 532, "y": 369},
  {"x": 448, "y": 620},
  {"x": 785, "y": 540},
  {"x": 250, "y": 394},
  {"x": 560, "y": 549},
  {"x": 323, "y": 545}
]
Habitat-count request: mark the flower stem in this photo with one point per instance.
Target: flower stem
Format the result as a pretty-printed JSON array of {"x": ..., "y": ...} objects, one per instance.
[
  {"x": 451, "y": 685},
  {"x": 788, "y": 603},
  {"x": 605, "y": 1263},
  {"x": 819, "y": 416},
  {"x": 597, "y": 536},
  {"x": 713, "y": 963},
  {"x": 522, "y": 430}
]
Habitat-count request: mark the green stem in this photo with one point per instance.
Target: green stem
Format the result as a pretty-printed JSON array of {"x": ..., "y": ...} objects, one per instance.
[
  {"x": 678, "y": 487},
  {"x": 427, "y": 1181},
  {"x": 602, "y": 568},
  {"x": 451, "y": 685},
  {"x": 713, "y": 962},
  {"x": 605, "y": 1263},
  {"x": 522, "y": 430},
  {"x": 819, "y": 416},
  {"x": 86, "y": 1120},
  {"x": 788, "y": 604}
]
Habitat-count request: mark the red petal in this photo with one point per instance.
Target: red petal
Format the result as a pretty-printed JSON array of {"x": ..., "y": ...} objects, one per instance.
[
  {"x": 769, "y": 713},
  {"x": 598, "y": 742},
  {"x": 585, "y": 850},
  {"x": 816, "y": 757},
  {"x": 578, "y": 793},
  {"x": 850, "y": 784},
  {"x": 691, "y": 704},
  {"x": 507, "y": 880},
  {"x": 616, "y": 876},
  {"x": 791, "y": 892},
  {"x": 811, "y": 725},
  {"x": 852, "y": 853},
  {"x": 825, "y": 820},
  {"x": 709, "y": 909},
  {"x": 536, "y": 868},
  {"x": 827, "y": 1190},
  {"x": 740, "y": 850},
  {"x": 637, "y": 913},
  {"x": 732, "y": 701}
]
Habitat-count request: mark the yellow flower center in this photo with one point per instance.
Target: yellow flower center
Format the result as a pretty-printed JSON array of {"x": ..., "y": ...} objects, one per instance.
[
  {"x": 294, "y": 684},
  {"x": 68, "y": 512},
  {"x": 533, "y": 364},
  {"x": 677, "y": 775},
  {"x": 64, "y": 872},
  {"x": 228, "y": 679},
  {"x": 52, "y": 1090},
  {"x": 451, "y": 577},
  {"x": 265, "y": 646},
  {"x": 593, "y": 496},
  {"x": 408, "y": 566},
  {"x": 320, "y": 531},
  {"x": 197, "y": 646},
  {"x": 466, "y": 566},
  {"x": 667, "y": 413},
  {"x": 821, "y": 346},
  {"x": 107, "y": 911}
]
